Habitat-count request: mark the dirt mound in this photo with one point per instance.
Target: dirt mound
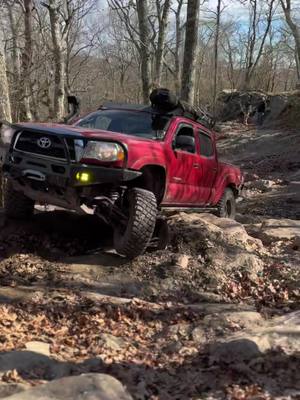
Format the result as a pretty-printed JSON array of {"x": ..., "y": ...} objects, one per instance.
[
  {"x": 281, "y": 109},
  {"x": 214, "y": 259}
]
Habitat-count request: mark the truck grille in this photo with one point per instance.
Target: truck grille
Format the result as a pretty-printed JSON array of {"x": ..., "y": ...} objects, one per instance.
[{"x": 45, "y": 145}]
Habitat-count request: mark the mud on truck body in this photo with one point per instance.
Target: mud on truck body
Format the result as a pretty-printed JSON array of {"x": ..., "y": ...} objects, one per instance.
[{"x": 122, "y": 163}]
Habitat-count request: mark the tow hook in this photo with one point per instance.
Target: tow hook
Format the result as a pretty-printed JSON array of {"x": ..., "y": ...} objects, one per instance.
[{"x": 34, "y": 175}]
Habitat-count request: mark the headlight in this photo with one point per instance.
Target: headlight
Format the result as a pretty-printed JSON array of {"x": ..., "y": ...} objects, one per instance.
[
  {"x": 104, "y": 151},
  {"x": 6, "y": 133}
]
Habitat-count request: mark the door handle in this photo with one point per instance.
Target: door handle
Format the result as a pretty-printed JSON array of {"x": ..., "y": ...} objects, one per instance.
[{"x": 196, "y": 165}]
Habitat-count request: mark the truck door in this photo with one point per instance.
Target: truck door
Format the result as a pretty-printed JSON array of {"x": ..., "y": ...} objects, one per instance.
[
  {"x": 209, "y": 164},
  {"x": 184, "y": 167}
]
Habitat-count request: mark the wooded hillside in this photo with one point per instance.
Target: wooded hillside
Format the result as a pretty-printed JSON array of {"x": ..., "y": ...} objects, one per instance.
[{"x": 119, "y": 50}]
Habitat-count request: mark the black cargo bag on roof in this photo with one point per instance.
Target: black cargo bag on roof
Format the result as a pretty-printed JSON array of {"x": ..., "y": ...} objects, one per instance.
[{"x": 163, "y": 99}]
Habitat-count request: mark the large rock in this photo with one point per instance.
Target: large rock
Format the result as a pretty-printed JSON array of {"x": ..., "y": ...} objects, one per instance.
[
  {"x": 283, "y": 332},
  {"x": 278, "y": 104},
  {"x": 84, "y": 387},
  {"x": 8, "y": 389},
  {"x": 224, "y": 244},
  {"x": 112, "y": 342},
  {"x": 237, "y": 319},
  {"x": 273, "y": 230},
  {"x": 27, "y": 361},
  {"x": 38, "y": 347}
]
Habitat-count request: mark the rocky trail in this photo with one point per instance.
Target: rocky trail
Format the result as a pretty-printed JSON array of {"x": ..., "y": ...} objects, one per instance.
[{"x": 214, "y": 316}]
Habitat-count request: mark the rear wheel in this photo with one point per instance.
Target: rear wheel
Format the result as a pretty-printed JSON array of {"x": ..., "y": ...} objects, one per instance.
[
  {"x": 133, "y": 239},
  {"x": 16, "y": 204},
  {"x": 227, "y": 205}
]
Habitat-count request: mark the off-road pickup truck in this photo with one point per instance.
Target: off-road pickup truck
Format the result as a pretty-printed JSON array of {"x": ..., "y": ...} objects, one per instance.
[{"x": 122, "y": 163}]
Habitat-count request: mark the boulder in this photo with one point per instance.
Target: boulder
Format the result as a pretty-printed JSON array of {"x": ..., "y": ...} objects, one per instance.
[
  {"x": 273, "y": 230},
  {"x": 8, "y": 389},
  {"x": 223, "y": 244},
  {"x": 238, "y": 319},
  {"x": 112, "y": 342},
  {"x": 198, "y": 335},
  {"x": 27, "y": 361},
  {"x": 282, "y": 332},
  {"x": 277, "y": 106},
  {"x": 38, "y": 347},
  {"x": 83, "y": 387},
  {"x": 182, "y": 261}
]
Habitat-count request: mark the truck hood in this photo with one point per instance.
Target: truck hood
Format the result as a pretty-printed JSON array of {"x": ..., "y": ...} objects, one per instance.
[{"x": 89, "y": 133}]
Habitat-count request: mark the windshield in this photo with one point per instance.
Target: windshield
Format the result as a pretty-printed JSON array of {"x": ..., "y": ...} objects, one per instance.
[{"x": 134, "y": 123}]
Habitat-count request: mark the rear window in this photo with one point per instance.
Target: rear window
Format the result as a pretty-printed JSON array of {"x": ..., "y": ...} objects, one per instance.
[{"x": 206, "y": 145}]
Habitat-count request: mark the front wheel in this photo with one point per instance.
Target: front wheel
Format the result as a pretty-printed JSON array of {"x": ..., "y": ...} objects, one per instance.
[
  {"x": 141, "y": 208},
  {"x": 227, "y": 205}
]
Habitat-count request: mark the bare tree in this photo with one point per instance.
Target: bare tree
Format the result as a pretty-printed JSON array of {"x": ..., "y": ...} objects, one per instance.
[
  {"x": 27, "y": 55},
  {"x": 216, "y": 52},
  {"x": 162, "y": 16},
  {"x": 16, "y": 92},
  {"x": 253, "y": 54},
  {"x": 295, "y": 29},
  {"x": 5, "y": 108},
  {"x": 53, "y": 7},
  {"x": 178, "y": 43},
  {"x": 190, "y": 51},
  {"x": 143, "y": 21}
]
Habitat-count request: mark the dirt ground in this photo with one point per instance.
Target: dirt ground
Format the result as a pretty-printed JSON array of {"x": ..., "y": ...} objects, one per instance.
[{"x": 214, "y": 316}]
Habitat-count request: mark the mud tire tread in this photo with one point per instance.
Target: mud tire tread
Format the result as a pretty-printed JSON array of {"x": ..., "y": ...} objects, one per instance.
[{"x": 142, "y": 220}]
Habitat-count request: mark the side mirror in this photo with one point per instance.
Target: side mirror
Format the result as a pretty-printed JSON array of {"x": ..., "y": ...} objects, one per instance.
[
  {"x": 185, "y": 143},
  {"x": 73, "y": 109}
]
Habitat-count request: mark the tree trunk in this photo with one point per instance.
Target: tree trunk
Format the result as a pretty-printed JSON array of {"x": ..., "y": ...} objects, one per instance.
[
  {"x": 190, "y": 49},
  {"x": 163, "y": 22},
  {"x": 144, "y": 49},
  {"x": 27, "y": 61},
  {"x": 5, "y": 110},
  {"x": 59, "y": 62},
  {"x": 177, "y": 47},
  {"x": 16, "y": 93},
  {"x": 295, "y": 29},
  {"x": 252, "y": 60},
  {"x": 216, "y": 54}
]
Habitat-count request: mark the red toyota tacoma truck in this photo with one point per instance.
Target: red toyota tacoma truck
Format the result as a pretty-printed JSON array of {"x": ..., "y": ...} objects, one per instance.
[{"x": 122, "y": 163}]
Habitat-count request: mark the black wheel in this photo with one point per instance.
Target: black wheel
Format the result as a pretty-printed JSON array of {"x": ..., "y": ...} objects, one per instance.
[
  {"x": 227, "y": 205},
  {"x": 141, "y": 208},
  {"x": 16, "y": 204}
]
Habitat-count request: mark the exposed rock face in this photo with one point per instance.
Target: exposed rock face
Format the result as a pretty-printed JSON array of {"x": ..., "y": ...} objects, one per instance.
[
  {"x": 27, "y": 361},
  {"x": 223, "y": 243},
  {"x": 282, "y": 107},
  {"x": 84, "y": 387},
  {"x": 38, "y": 347},
  {"x": 273, "y": 230},
  {"x": 283, "y": 332}
]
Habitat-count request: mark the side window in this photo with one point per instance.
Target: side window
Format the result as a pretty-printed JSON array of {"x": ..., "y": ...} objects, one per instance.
[
  {"x": 185, "y": 139},
  {"x": 206, "y": 145}
]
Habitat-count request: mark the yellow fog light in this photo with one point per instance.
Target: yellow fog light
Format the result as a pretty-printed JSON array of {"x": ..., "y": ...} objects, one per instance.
[{"x": 83, "y": 177}]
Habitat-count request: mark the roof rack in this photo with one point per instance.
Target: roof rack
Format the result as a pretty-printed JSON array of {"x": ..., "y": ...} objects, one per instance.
[{"x": 166, "y": 103}]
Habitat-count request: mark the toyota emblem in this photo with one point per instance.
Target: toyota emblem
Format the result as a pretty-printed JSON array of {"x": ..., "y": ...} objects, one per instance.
[{"x": 44, "y": 142}]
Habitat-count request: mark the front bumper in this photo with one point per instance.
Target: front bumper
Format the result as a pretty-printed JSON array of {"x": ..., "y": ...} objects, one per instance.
[{"x": 56, "y": 173}]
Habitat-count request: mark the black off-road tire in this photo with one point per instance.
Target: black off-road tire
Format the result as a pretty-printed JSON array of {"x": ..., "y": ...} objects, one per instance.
[
  {"x": 16, "y": 204},
  {"x": 227, "y": 205},
  {"x": 142, "y": 212}
]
